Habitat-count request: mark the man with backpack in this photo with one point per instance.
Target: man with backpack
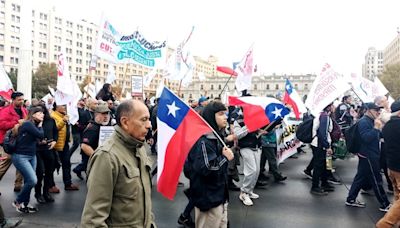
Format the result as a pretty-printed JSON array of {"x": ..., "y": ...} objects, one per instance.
[
  {"x": 10, "y": 116},
  {"x": 368, "y": 137}
]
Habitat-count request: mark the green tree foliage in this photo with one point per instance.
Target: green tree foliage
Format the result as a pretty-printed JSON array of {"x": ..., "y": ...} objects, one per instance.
[
  {"x": 13, "y": 77},
  {"x": 391, "y": 79},
  {"x": 45, "y": 75}
]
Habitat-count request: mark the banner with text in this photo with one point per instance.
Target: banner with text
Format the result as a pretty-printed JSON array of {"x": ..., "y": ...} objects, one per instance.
[
  {"x": 133, "y": 48},
  {"x": 286, "y": 140},
  {"x": 137, "y": 86},
  {"x": 367, "y": 90},
  {"x": 328, "y": 86}
]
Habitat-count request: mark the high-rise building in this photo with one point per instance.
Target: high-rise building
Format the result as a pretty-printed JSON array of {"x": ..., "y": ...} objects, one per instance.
[
  {"x": 373, "y": 65},
  {"x": 50, "y": 33},
  {"x": 391, "y": 54}
]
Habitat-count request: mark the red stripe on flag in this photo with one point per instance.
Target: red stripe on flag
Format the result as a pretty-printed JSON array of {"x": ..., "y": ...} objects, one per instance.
[
  {"x": 188, "y": 132},
  {"x": 6, "y": 94},
  {"x": 288, "y": 100}
]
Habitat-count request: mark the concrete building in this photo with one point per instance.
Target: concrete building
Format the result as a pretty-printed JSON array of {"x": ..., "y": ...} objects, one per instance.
[
  {"x": 373, "y": 65},
  {"x": 391, "y": 54},
  {"x": 50, "y": 33}
]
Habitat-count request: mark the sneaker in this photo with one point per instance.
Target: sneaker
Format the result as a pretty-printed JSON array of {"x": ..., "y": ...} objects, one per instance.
[
  {"x": 334, "y": 180},
  {"x": 185, "y": 221},
  {"x": 355, "y": 203},
  {"x": 245, "y": 198},
  {"x": 48, "y": 198},
  {"x": 31, "y": 208},
  {"x": 263, "y": 177},
  {"x": 328, "y": 188},
  {"x": 308, "y": 174},
  {"x": 17, "y": 188},
  {"x": 318, "y": 191},
  {"x": 261, "y": 184},
  {"x": 71, "y": 187},
  {"x": 385, "y": 209},
  {"x": 78, "y": 174},
  {"x": 20, "y": 207},
  {"x": 252, "y": 195},
  {"x": 54, "y": 189},
  {"x": 11, "y": 222},
  {"x": 280, "y": 178},
  {"x": 40, "y": 199}
]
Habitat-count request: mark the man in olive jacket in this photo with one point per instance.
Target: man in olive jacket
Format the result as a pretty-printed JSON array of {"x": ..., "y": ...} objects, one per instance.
[{"x": 119, "y": 184}]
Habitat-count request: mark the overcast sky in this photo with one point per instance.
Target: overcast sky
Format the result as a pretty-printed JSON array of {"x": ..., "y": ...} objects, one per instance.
[{"x": 289, "y": 36}]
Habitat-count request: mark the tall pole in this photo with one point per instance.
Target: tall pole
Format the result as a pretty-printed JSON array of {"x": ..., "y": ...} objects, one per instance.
[{"x": 24, "y": 81}]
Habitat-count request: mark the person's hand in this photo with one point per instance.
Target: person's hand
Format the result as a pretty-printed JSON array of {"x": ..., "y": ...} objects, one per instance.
[
  {"x": 329, "y": 151},
  {"x": 51, "y": 144},
  {"x": 228, "y": 153},
  {"x": 150, "y": 141},
  {"x": 66, "y": 118},
  {"x": 378, "y": 124},
  {"x": 21, "y": 121},
  {"x": 230, "y": 138}
]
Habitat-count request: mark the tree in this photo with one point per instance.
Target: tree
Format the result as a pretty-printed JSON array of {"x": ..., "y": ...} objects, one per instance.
[
  {"x": 117, "y": 91},
  {"x": 45, "y": 75},
  {"x": 13, "y": 74},
  {"x": 391, "y": 79},
  {"x": 86, "y": 81}
]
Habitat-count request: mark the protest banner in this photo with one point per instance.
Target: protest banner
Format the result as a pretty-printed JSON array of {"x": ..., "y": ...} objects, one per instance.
[
  {"x": 105, "y": 133},
  {"x": 137, "y": 86},
  {"x": 286, "y": 140}
]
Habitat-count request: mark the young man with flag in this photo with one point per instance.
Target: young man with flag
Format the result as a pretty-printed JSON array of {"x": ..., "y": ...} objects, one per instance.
[{"x": 207, "y": 166}]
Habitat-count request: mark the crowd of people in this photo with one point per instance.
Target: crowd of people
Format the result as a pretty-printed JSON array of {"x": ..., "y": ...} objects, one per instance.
[{"x": 43, "y": 133}]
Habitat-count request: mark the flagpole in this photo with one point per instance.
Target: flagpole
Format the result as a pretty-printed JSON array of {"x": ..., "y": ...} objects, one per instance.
[{"x": 225, "y": 85}]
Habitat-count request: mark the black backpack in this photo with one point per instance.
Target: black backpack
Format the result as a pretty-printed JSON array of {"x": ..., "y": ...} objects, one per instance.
[
  {"x": 10, "y": 142},
  {"x": 352, "y": 137},
  {"x": 304, "y": 131}
]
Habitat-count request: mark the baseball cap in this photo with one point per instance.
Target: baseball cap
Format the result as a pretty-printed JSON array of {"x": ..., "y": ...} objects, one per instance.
[
  {"x": 202, "y": 99},
  {"x": 102, "y": 108},
  {"x": 395, "y": 106},
  {"x": 372, "y": 105}
]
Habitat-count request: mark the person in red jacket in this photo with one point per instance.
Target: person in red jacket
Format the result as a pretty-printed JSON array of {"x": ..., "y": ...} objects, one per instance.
[{"x": 9, "y": 117}]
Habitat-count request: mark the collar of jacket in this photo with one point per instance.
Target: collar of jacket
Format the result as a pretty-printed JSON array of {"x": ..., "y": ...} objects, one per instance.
[
  {"x": 127, "y": 139},
  {"x": 58, "y": 114}
]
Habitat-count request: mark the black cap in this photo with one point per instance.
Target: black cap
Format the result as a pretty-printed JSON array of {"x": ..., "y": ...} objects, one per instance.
[
  {"x": 395, "y": 106},
  {"x": 372, "y": 105}
]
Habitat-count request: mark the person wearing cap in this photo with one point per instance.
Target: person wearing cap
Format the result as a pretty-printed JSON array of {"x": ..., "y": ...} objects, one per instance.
[
  {"x": 11, "y": 116},
  {"x": 368, "y": 171},
  {"x": 90, "y": 136},
  {"x": 391, "y": 135},
  {"x": 59, "y": 114},
  {"x": 203, "y": 101}
]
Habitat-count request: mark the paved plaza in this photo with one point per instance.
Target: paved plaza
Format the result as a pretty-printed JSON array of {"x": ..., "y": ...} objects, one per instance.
[{"x": 281, "y": 205}]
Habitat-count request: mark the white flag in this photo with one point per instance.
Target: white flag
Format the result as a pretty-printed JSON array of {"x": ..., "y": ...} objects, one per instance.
[
  {"x": 111, "y": 74},
  {"x": 202, "y": 77},
  {"x": 149, "y": 77},
  {"x": 380, "y": 87},
  {"x": 245, "y": 72},
  {"x": 5, "y": 82},
  {"x": 328, "y": 86},
  {"x": 64, "y": 83},
  {"x": 90, "y": 90},
  {"x": 72, "y": 106},
  {"x": 98, "y": 86},
  {"x": 366, "y": 89}
]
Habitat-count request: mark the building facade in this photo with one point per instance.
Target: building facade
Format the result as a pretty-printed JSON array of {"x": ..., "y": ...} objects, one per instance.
[
  {"x": 391, "y": 54},
  {"x": 373, "y": 65}
]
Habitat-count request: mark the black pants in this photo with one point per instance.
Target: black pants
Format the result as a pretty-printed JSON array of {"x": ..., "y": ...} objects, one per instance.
[
  {"x": 383, "y": 163},
  {"x": 269, "y": 153},
  {"x": 83, "y": 165},
  {"x": 319, "y": 167},
  {"x": 44, "y": 170},
  {"x": 65, "y": 157},
  {"x": 368, "y": 173},
  {"x": 76, "y": 137}
]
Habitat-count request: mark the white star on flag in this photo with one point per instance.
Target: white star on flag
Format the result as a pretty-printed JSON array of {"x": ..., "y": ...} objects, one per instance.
[
  {"x": 288, "y": 87},
  {"x": 172, "y": 109},
  {"x": 277, "y": 112}
]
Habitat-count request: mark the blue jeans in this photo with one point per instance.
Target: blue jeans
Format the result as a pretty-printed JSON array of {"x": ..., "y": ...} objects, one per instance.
[{"x": 26, "y": 165}]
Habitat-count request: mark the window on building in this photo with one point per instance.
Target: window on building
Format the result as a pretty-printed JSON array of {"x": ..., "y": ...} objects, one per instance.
[
  {"x": 43, "y": 16},
  {"x": 212, "y": 95},
  {"x": 212, "y": 87},
  {"x": 201, "y": 86},
  {"x": 15, "y": 19},
  {"x": 2, "y": 26},
  {"x": 16, "y": 8},
  {"x": 295, "y": 86},
  {"x": 3, "y": 3},
  {"x": 1, "y": 47},
  {"x": 1, "y": 58},
  {"x": 2, "y": 14},
  {"x": 276, "y": 86},
  {"x": 219, "y": 87},
  {"x": 15, "y": 29},
  {"x": 267, "y": 86},
  {"x": 69, "y": 24},
  {"x": 255, "y": 86}
]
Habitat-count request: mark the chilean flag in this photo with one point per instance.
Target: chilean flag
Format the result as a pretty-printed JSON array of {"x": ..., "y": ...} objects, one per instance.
[
  {"x": 179, "y": 127},
  {"x": 6, "y": 87},
  {"x": 259, "y": 111},
  {"x": 293, "y": 99}
]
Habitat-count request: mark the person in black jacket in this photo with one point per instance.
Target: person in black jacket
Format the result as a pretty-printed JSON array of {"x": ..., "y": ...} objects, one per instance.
[
  {"x": 46, "y": 158},
  {"x": 105, "y": 93},
  {"x": 208, "y": 162},
  {"x": 24, "y": 158},
  {"x": 391, "y": 134}
]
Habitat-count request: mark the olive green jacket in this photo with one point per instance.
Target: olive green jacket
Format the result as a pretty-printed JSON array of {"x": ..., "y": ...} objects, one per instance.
[{"x": 119, "y": 185}]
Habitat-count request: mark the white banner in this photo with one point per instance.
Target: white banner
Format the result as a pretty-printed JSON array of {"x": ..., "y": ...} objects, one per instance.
[
  {"x": 328, "y": 86},
  {"x": 367, "y": 90},
  {"x": 286, "y": 140},
  {"x": 137, "y": 86},
  {"x": 105, "y": 133},
  {"x": 134, "y": 48}
]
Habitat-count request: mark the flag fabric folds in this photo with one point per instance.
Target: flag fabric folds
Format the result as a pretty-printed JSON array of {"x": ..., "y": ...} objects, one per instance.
[
  {"x": 180, "y": 128},
  {"x": 293, "y": 99},
  {"x": 6, "y": 87},
  {"x": 259, "y": 111},
  {"x": 245, "y": 72}
]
